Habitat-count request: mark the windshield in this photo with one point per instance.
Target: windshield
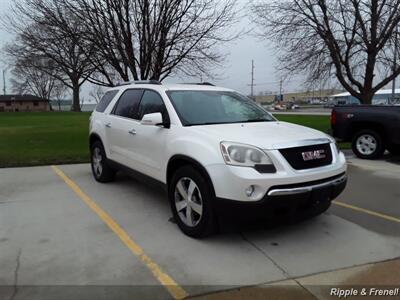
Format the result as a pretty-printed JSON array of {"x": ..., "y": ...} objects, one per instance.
[{"x": 216, "y": 107}]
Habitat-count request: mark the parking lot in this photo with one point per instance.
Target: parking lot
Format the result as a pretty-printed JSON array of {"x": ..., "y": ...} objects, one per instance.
[{"x": 63, "y": 234}]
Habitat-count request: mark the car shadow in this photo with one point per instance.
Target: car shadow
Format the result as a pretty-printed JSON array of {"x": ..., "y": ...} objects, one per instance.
[
  {"x": 238, "y": 226},
  {"x": 395, "y": 159}
]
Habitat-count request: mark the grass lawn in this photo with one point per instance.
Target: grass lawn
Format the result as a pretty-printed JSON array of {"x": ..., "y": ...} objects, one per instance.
[
  {"x": 321, "y": 123},
  {"x": 28, "y": 139}
]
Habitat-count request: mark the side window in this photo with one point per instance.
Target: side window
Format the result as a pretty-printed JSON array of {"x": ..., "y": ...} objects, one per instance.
[
  {"x": 152, "y": 103},
  {"x": 128, "y": 105},
  {"x": 105, "y": 101}
]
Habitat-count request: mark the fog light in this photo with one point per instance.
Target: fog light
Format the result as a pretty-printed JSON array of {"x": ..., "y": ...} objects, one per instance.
[{"x": 249, "y": 191}]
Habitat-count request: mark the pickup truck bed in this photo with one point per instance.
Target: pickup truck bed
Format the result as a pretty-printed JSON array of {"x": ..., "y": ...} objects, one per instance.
[{"x": 370, "y": 129}]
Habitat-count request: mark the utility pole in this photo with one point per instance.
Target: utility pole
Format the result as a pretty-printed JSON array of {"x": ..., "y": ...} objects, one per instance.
[
  {"x": 395, "y": 65},
  {"x": 252, "y": 78},
  {"x": 280, "y": 90},
  {"x": 4, "y": 82}
]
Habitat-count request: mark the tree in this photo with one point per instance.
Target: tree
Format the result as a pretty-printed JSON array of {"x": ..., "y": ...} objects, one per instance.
[
  {"x": 47, "y": 29},
  {"x": 350, "y": 40},
  {"x": 97, "y": 93},
  {"x": 28, "y": 77},
  {"x": 152, "y": 39}
]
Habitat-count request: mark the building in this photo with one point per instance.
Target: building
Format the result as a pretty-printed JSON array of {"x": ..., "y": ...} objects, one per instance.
[
  {"x": 23, "y": 103},
  {"x": 66, "y": 105},
  {"x": 382, "y": 97},
  {"x": 313, "y": 97}
]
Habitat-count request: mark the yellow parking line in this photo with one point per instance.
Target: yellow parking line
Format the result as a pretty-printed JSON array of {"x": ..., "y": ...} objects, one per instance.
[
  {"x": 366, "y": 211},
  {"x": 173, "y": 288}
]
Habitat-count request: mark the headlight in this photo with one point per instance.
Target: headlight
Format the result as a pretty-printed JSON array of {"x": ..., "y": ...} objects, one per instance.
[
  {"x": 336, "y": 146},
  {"x": 243, "y": 155}
]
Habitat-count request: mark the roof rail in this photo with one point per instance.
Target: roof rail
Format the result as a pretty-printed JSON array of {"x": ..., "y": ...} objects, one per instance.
[
  {"x": 201, "y": 83},
  {"x": 151, "y": 81}
]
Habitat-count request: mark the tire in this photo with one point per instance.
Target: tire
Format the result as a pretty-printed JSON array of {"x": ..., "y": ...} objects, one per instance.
[
  {"x": 102, "y": 172},
  {"x": 368, "y": 144},
  {"x": 201, "y": 221},
  {"x": 394, "y": 149}
]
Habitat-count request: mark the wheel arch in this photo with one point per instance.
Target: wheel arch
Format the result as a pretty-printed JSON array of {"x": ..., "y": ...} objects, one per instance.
[
  {"x": 178, "y": 161},
  {"x": 379, "y": 128},
  {"x": 93, "y": 138}
]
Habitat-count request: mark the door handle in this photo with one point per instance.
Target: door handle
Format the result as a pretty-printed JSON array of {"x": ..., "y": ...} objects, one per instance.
[
  {"x": 132, "y": 132},
  {"x": 108, "y": 125}
]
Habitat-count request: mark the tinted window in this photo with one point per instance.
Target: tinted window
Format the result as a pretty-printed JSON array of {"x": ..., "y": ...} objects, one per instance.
[
  {"x": 152, "y": 103},
  {"x": 216, "y": 107},
  {"x": 105, "y": 101},
  {"x": 128, "y": 104}
]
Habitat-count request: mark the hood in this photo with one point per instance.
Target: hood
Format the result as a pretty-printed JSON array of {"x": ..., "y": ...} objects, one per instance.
[{"x": 265, "y": 135}]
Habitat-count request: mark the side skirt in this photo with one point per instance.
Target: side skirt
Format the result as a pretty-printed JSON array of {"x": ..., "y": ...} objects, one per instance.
[{"x": 139, "y": 176}]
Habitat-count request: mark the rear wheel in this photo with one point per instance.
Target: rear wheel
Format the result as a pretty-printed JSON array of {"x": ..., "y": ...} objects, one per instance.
[
  {"x": 368, "y": 144},
  {"x": 102, "y": 172},
  {"x": 191, "y": 199}
]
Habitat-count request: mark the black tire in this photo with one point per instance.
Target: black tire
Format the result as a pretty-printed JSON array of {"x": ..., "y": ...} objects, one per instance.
[
  {"x": 106, "y": 173},
  {"x": 372, "y": 135},
  {"x": 394, "y": 149},
  {"x": 206, "y": 222}
]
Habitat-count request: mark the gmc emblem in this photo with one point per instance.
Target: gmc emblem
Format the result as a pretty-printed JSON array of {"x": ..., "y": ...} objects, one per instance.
[{"x": 313, "y": 155}]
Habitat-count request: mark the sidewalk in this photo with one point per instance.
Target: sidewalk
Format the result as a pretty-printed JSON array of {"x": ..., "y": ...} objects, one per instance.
[{"x": 382, "y": 275}]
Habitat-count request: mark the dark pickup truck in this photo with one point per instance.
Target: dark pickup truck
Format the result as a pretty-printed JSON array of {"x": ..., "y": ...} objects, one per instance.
[{"x": 370, "y": 129}]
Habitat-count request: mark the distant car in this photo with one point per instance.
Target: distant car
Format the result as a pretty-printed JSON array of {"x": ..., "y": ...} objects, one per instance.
[
  {"x": 291, "y": 105},
  {"x": 329, "y": 105},
  {"x": 215, "y": 152},
  {"x": 279, "y": 107},
  {"x": 370, "y": 129}
]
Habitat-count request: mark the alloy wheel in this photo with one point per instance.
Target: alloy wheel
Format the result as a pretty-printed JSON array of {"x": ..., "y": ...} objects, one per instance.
[
  {"x": 188, "y": 202},
  {"x": 97, "y": 162},
  {"x": 366, "y": 144}
]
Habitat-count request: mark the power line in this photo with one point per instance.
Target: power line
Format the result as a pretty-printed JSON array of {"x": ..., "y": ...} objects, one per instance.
[{"x": 252, "y": 78}]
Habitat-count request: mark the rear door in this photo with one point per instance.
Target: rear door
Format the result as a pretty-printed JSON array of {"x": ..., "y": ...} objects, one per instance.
[{"x": 121, "y": 128}]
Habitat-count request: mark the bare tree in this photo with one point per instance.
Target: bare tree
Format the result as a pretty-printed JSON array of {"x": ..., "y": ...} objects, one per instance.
[
  {"x": 97, "y": 93},
  {"x": 350, "y": 40},
  {"x": 152, "y": 39},
  {"x": 47, "y": 29},
  {"x": 29, "y": 78}
]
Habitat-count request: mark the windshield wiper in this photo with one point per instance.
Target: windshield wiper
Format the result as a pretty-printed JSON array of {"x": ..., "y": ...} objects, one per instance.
[
  {"x": 205, "y": 123},
  {"x": 255, "y": 120},
  {"x": 219, "y": 123}
]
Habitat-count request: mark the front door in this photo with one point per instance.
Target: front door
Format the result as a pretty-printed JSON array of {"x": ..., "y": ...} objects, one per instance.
[{"x": 150, "y": 140}]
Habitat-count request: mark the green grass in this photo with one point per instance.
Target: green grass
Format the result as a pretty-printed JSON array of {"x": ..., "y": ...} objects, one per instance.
[
  {"x": 321, "y": 123},
  {"x": 28, "y": 139}
]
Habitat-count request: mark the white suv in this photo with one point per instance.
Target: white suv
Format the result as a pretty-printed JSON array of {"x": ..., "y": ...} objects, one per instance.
[{"x": 215, "y": 151}]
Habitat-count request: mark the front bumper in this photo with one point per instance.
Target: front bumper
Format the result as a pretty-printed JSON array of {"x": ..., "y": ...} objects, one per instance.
[
  {"x": 231, "y": 182},
  {"x": 303, "y": 199}
]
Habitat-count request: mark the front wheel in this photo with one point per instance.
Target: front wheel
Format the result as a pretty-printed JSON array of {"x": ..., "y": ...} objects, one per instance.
[
  {"x": 368, "y": 144},
  {"x": 191, "y": 198}
]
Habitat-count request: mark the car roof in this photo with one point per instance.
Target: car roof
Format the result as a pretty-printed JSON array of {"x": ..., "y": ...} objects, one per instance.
[{"x": 172, "y": 87}]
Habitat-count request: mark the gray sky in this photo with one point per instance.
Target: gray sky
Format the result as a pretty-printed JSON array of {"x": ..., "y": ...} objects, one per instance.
[{"x": 236, "y": 72}]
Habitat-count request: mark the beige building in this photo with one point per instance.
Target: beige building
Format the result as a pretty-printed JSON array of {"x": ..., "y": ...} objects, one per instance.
[
  {"x": 23, "y": 103},
  {"x": 299, "y": 97}
]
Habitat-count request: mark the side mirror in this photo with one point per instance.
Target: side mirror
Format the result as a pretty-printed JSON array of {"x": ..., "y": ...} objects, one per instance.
[{"x": 152, "y": 119}]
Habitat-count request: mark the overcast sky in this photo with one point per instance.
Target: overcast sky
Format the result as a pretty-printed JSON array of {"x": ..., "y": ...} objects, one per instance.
[{"x": 236, "y": 72}]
